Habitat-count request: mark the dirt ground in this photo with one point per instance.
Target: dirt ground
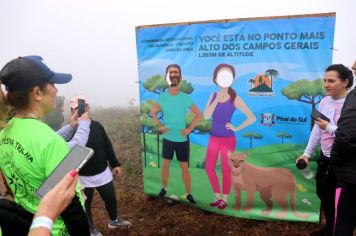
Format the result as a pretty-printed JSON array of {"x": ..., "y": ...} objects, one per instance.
[{"x": 154, "y": 216}]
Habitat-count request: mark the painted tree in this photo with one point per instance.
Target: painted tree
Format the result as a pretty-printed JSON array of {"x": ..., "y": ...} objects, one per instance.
[
  {"x": 202, "y": 127},
  {"x": 272, "y": 74},
  {"x": 158, "y": 84},
  {"x": 251, "y": 136},
  {"x": 154, "y": 129},
  {"x": 307, "y": 91},
  {"x": 283, "y": 135},
  {"x": 186, "y": 87},
  {"x": 149, "y": 126},
  {"x": 146, "y": 106},
  {"x": 146, "y": 123}
]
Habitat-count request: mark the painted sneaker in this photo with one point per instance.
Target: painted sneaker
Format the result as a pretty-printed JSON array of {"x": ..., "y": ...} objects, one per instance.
[
  {"x": 119, "y": 223},
  {"x": 190, "y": 198},
  {"x": 222, "y": 204},
  {"x": 215, "y": 203},
  {"x": 162, "y": 193}
]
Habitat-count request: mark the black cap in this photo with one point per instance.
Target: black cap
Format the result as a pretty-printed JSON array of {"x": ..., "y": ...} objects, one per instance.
[{"x": 30, "y": 71}]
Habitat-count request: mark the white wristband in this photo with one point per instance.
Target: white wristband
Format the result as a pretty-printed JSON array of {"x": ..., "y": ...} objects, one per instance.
[{"x": 42, "y": 221}]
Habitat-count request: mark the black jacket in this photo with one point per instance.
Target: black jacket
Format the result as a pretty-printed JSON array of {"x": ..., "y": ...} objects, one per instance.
[
  {"x": 343, "y": 153},
  {"x": 103, "y": 151}
]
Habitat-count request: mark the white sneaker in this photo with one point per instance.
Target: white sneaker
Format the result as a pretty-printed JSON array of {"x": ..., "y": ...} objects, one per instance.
[
  {"x": 95, "y": 232},
  {"x": 119, "y": 223}
]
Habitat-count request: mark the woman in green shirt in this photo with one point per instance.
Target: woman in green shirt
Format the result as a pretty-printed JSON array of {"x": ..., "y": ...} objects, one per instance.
[{"x": 29, "y": 149}]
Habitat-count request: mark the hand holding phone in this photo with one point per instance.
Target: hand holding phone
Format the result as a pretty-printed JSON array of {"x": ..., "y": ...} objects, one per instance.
[
  {"x": 74, "y": 160},
  {"x": 81, "y": 107},
  {"x": 317, "y": 114}
]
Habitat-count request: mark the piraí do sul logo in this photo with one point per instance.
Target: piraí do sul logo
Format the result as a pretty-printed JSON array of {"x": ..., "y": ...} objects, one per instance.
[{"x": 267, "y": 119}]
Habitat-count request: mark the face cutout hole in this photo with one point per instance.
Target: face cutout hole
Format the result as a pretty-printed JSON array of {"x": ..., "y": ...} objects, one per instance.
[{"x": 224, "y": 78}]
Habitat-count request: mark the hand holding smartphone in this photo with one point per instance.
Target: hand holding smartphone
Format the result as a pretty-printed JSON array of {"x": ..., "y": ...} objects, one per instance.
[
  {"x": 317, "y": 114},
  {"x": 81, "y": 107},
  {"x": 74, "y": 160}
]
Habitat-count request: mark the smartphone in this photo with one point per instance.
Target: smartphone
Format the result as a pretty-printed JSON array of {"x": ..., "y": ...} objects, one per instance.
[
  {"x": 81, "y": 107},
  {"x": 317, "y": 114},
  {"x": 74, "y": 160}
]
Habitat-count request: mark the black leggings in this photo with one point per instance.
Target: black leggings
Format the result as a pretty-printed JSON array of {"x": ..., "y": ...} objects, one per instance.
[
  {"x": 107, "y": 193},
  {"x": 325, "y": 189},
  {"x": 345, "y": 219}
]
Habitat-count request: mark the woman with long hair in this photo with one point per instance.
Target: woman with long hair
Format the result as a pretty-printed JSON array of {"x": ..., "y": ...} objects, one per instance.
[
  {"x": 221, "y": 106},
  {"x": 29, "y": 149}
]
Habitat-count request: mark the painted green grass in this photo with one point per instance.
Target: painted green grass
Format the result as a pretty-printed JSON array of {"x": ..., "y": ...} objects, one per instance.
[
  {"x": 203, "y": 194},
  {"x": 281, "y": 155}
]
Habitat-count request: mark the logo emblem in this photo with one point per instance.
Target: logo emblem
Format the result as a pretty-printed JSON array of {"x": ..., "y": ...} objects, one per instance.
[
  {"x": 267, "y": 119},
  {"x": 262, "y": 84}
]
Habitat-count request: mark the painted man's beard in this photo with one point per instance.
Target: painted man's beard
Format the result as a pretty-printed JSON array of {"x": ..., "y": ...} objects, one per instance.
[{"x": 174, "y": 80}]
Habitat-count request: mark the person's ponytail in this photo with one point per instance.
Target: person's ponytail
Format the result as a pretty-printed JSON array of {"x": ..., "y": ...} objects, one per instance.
[{"x": 232, "y": 94}]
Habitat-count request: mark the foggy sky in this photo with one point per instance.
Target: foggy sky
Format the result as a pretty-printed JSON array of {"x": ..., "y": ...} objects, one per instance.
[{"x": 95, "y": 40}]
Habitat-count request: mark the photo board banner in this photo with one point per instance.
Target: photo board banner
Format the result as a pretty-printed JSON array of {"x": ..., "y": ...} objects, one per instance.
[{"x": 255, "y": 82}]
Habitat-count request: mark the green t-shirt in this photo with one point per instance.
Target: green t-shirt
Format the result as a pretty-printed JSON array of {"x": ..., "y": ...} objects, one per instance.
[
  {"x": 174, "y": 110},
  {"x": 30, "y": 150}
]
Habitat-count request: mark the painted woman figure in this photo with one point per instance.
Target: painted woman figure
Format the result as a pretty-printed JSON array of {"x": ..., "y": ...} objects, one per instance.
[{"x": 221, "y": 106}]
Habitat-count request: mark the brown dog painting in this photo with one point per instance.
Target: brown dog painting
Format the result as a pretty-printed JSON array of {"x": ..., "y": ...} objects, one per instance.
[{"x": 273, "y": 184}]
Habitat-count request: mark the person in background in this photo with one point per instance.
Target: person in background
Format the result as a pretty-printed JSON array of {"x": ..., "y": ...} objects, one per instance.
[
  {"x": 30, "y": 149},
  {"x": 55, "y": 118},
  {"x": 77, "y": 125},
  {"x": 96, "y": 174},
  {"x": 343, "y": 161},
  {"x": 77, "y": 131},
  {"x": 337, "y": 81},
  {"x": 174, "y": 104}
]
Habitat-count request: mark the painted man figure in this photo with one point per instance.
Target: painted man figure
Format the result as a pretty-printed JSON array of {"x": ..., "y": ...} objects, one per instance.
[{"x": 174, "y": 104}]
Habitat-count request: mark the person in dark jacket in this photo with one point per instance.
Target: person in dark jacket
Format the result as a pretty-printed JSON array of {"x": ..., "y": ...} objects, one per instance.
[
  {"x": 343, "y": 161},
  {"x": 96, "y": 174}
]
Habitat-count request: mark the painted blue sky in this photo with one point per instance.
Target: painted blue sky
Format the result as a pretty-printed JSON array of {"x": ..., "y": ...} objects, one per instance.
[{"x": 292, "y": 64}]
